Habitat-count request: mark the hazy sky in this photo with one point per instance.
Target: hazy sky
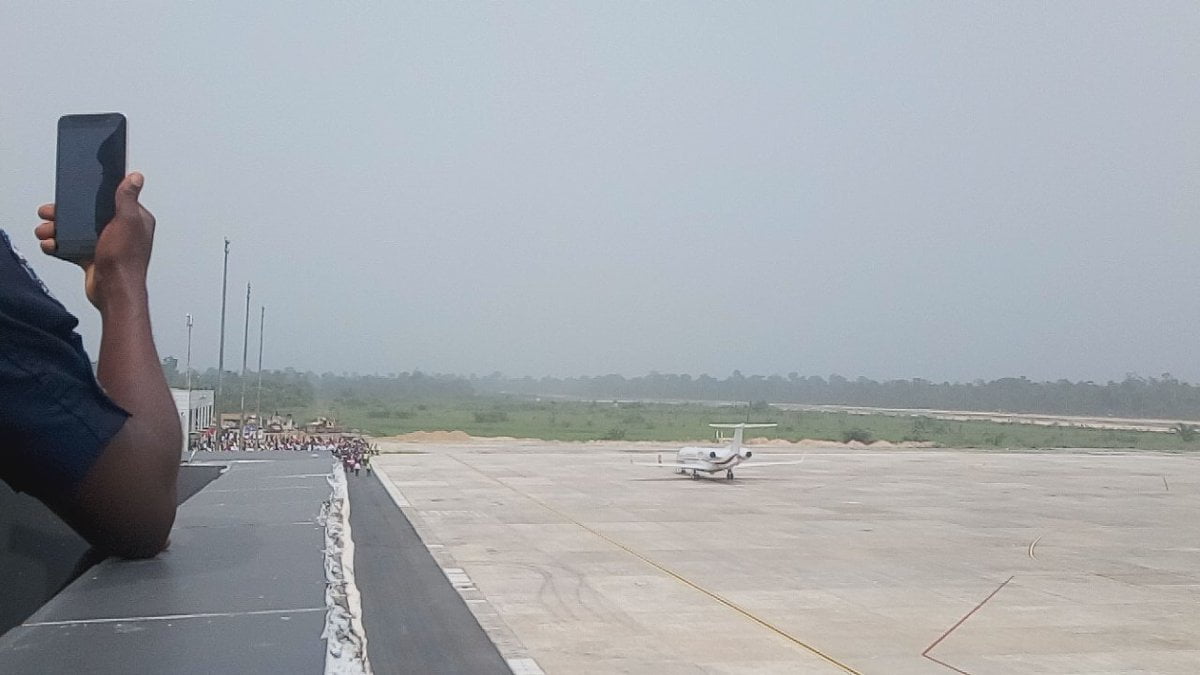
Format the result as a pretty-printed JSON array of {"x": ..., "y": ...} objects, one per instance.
[{"x": 947, "y": 190}]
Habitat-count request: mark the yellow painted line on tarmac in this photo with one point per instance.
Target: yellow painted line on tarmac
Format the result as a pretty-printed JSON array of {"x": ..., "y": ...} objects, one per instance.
[{"x": 665, "y": 570}]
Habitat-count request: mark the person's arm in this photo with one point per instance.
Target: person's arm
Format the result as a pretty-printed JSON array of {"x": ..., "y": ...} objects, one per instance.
[{"x": 125, "y": 504}]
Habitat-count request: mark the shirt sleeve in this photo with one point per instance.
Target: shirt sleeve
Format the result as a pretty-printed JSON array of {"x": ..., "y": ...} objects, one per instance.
[{"x": 55, "y": 419}]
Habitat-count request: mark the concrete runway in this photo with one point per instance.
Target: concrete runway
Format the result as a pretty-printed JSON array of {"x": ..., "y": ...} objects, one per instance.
[{"x": 574, "y": 560}]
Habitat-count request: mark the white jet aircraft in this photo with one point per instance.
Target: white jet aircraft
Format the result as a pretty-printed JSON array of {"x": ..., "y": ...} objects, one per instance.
[{"x": 693, "y": 460}]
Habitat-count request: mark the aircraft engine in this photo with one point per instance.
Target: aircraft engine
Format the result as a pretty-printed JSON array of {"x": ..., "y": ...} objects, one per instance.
[
  {"x": 712, "y": 455},
  {"x": 747, "y": 454}
]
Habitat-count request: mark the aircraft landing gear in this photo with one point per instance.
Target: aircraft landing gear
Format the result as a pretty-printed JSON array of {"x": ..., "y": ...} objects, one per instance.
[
  {"x": 695, "y": 475},
  {"x": 729, "y": 474}
]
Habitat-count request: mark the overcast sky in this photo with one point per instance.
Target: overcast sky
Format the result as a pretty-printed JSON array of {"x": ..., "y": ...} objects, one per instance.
[{"x": 947, "y": 190}]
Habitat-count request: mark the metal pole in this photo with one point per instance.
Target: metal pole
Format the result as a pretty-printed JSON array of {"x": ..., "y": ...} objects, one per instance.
[
  {"x": 262, "y": 318},
  {"x": 245, "y": 353},
  {"x": 187, "y": 369},
  {"x": 221, "y": 353}
]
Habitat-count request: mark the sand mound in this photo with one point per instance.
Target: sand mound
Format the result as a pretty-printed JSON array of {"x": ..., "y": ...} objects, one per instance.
[
  {"x": 430, "y": 437},
  {"x": 809, "y": 442},
  {"x": 762, "y": 440}
]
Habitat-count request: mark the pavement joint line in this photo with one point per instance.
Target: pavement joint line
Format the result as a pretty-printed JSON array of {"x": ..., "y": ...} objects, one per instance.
[
  {"x": 172, "y": 617},
  {"x": 525, "y": 666},
  {"x": 678, "y": 577},
  {"x": 216, "y": 526},
  {"x": 267, "y": 489},
  {"x": 459, "y": 579},
  {"x": 961, "y": 622}
]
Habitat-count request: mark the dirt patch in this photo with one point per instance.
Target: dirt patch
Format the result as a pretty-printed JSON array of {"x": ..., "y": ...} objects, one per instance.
[
  {"x": 808, "y": 442},
  {"x": 769, "y": 441},
  {"x": 430, "y": 437}
]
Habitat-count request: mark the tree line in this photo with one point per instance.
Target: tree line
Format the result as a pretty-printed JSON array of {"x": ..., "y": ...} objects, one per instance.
[
  {"x": 291, "y": 390},
  {"x": 1159, "y": 397},
  {"x": 1163, "y": 397}
]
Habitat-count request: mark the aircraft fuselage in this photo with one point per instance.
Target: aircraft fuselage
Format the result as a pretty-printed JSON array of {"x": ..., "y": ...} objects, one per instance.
[{"x": 713, "y": 460}]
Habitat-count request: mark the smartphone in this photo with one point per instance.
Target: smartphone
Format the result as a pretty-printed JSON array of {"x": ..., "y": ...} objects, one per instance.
[{"x": 91, "y": 164}]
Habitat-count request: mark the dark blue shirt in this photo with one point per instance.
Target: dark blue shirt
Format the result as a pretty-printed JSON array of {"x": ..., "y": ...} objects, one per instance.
[{"x": 55, "y": 419}]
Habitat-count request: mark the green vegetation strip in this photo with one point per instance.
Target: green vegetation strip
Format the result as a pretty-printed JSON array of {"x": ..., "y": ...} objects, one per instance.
[{"x": 491, "y": 416}]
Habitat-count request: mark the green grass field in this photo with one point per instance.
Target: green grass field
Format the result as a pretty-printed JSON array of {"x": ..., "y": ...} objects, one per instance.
[{"x": 582, "y": 421}]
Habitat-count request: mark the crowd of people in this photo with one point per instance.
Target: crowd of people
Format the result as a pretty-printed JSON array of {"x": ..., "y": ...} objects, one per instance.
[
  {"x": 355, "y": 449},
  {"x": 355, "y": 454}
]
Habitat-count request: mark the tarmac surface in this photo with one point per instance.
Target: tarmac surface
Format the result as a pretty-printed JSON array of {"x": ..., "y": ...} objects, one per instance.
[{"x": 573, "y": 559}]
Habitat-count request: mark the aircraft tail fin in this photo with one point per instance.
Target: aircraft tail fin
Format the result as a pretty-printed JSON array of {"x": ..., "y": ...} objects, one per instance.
[{"x": 738, "y": 430}]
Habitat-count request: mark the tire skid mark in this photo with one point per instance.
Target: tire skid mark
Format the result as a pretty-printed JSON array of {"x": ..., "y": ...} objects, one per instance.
[{"x": 1033, "y": 547}]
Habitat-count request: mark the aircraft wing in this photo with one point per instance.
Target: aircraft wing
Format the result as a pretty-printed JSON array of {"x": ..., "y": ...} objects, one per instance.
[
  {"x": 675, "y": 465},
  {"x": 752, "y": 464}
]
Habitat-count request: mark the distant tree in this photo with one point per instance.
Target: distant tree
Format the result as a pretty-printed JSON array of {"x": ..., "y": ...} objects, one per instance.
[
  {"x": 856, "y": 434},
  {"x": 921, "y": 430},
  {"x": 1187, "y": 432},
  {"x": 614, "y": 434},
  {"x": 170, "y": 366}
]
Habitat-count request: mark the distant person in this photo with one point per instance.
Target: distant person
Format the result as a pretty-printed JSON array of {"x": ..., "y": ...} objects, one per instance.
[{"x": 101, "y": 450}]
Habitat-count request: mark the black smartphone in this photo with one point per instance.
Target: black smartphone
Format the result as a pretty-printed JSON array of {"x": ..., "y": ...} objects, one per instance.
[{"x": 91, "y": 164}]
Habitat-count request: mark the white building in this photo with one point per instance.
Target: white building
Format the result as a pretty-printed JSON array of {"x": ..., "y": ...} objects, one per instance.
[{"x": 194, "y": 415}]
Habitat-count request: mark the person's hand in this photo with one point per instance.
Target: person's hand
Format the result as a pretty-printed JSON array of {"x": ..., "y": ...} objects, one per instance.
[{"x": 122, "y": 251}]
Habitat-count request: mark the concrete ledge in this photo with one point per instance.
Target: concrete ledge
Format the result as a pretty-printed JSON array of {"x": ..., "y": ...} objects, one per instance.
[
  {"x": 40, "y": 555},
  {"x": 240, "y": 590}
]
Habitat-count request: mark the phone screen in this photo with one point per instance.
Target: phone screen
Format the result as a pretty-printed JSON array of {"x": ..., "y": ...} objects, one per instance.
[{"x": 91, "y": 164}]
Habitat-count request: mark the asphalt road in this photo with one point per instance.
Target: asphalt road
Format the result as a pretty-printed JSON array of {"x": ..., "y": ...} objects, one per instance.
[{"x": 414, "y": 619}]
